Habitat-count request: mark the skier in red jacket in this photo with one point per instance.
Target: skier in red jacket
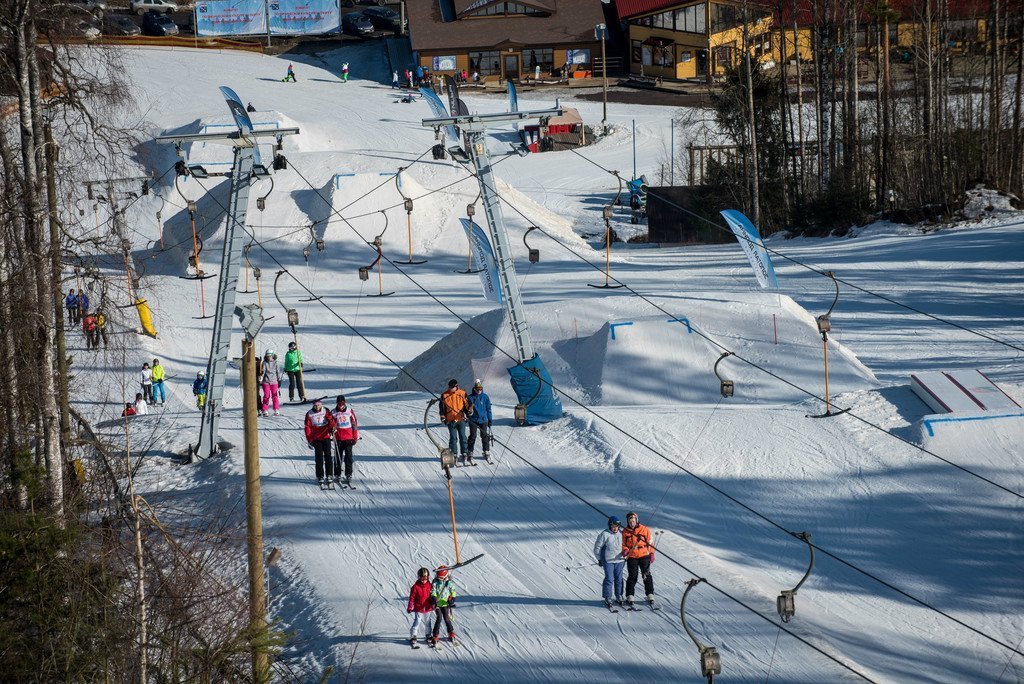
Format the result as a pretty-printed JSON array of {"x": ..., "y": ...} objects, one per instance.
[
  {"x": 420, "y": 604},
  {"x": 346, "y": 434},
  {"x": 319, "y": 427}
]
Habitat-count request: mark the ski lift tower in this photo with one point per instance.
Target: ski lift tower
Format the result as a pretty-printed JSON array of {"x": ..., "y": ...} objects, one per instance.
[
  {"x": 246, "y": 167},
  {"x": 530, "y": 378}
]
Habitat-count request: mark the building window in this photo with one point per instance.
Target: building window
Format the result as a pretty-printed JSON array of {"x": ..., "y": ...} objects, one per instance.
[
  {"x": 641, "y": 54},
  {"x": 762, "y": 44},
  {"x": 485, "y": 63},
  {"x": 663, "y": 55},
  {"x": 540, "y": 57},
  {"x": 482, "y": 9},
  {"x": 691, "y": 19},
  {"x": 685, "y": 56}
]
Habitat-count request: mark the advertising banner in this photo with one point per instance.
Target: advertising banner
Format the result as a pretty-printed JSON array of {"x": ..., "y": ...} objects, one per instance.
[
  {"x": 443, "y": 63},
  {"x": 483, "y": 260},
  {"x": 753, "y": 245},
  {"x": 230, "y": 17},
  {"x": 304, "y": 17}
]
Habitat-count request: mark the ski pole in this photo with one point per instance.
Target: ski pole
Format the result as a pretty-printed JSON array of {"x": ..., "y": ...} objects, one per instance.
[{"x": 582, "y": 565}]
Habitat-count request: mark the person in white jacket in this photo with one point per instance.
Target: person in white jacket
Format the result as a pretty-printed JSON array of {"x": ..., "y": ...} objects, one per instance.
[
  {"x": 146, "y": 381},
  {"x": 608, "y": 550},
  {"x": 141, "y": 407}
]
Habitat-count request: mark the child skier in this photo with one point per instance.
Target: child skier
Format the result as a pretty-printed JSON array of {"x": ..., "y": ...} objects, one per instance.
[
  {"x": 319, "y": 426},
  {"x": 129, "y": 409},
  {"x": 146, "y": 380},
  {"x": 290, "y": 76},
  {"x": 420, "y": 604},
  {"x": 394, "y": 80},
  {"x": 271, "y": 381},
  {"x": 141, "y": 407},
  {"x": 344, "y": 72},
  {"x": 442, "y": 593},
  {"x": 199, "y": 388}
]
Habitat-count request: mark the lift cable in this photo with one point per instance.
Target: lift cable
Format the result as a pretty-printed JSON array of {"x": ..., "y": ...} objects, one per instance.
[
  {"x": 719, "y": 490},
  {"x": 587, "y": 503},
  {"x": 822, "y": 272}
]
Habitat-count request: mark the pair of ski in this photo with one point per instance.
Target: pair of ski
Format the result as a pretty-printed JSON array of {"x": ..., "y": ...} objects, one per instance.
[
  {"x": 434, "y": 645},
  {"x": 631, "y": 607},
  {"x": 342, "y": 484}
]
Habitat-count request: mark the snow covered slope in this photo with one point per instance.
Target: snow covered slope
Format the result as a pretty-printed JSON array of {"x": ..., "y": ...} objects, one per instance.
[{"x": 725, "y": 482}]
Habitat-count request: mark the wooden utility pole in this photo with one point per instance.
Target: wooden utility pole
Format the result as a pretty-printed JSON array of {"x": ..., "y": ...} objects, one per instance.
[{"x": 254, "y": 518}]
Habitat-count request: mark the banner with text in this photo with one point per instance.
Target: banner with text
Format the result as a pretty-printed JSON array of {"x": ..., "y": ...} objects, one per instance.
[
  {"x": 304, "y": 17},
  {"x": 483, "y": 260},
  {"x": 231, "y": 17},
  {"x": 748, "y": 237}
]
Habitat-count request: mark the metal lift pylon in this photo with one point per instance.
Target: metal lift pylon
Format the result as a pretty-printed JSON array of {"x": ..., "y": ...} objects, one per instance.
[
  {"x": 247, "y": 166},
  {"x": 474, "y": 127}
]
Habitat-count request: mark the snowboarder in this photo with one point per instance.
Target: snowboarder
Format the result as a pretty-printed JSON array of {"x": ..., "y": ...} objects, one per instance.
[
  {"x": 249, "y": 107},
  {"x": 71, "y": 304},
  {"x": 346, "y": 434},
  {"x": 293, "y": 368},
  {"x": 395, "y": 85},
  {"x": 442, "y": 593},
  {"x": 319, "y": 426},
  {"x": 420, "y": 603},
  {"x": 158, "y": 375},
  {"x": 129, "y": 409},
  {"x": 199, "y": 388},
  {"x": 101, "y": 327},
  {"x": 344, "y": 72},
  {"x": 454, "y": 408},
  {"x": 271, "y": 381},
  {"x": 479, "y": 421},
  {"x": 146, "y": 380},
  {"x": 608, "y": 550},
  {"x": 290, "y": 76},
  {"x": 92, "y": 340},
  {"x": 636, "y": 547},
  {"x": 141, "y": 407}
]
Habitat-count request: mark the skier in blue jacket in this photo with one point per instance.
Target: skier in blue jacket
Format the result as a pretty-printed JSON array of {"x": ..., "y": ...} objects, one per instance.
[
  {"x": 71, "y": 304},
  {"x": 479, "y": 421}
]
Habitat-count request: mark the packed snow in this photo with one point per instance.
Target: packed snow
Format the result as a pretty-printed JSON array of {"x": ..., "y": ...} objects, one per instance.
[{"x": 645, "y": 427}]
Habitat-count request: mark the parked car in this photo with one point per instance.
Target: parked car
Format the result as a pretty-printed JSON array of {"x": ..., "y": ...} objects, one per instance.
[
  {"x": 154, "y": 24},
  {"x": 356, "y": 24},
  {"x": 353, "y": 3},
  {"x": 384, "y": 18},
  {"x": 140, "y": 7},
  {"x": 120, "y": 25},
  {"x": 86, "y": 29}
]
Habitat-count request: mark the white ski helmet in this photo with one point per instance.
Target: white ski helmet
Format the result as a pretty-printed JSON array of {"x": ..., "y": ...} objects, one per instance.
[{"x": 201, "y": 374}]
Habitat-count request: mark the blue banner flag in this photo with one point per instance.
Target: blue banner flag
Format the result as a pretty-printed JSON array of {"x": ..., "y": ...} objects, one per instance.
[
  {"x": 483, "y": 260},
  {"x": 753, "y": 245}
]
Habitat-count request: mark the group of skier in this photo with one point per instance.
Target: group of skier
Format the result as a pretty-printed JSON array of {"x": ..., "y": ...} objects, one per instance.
[
  {"x": 322, "y": 426},
  {"x": 94, "y": 323},
  {"x": 457, "y": 410},
  {"x": 631, "y": 548},
  {"x": 437, "y": 597}
]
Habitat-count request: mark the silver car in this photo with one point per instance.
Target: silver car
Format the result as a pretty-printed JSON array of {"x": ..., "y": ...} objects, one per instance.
[{"x": 140, "y": 7}]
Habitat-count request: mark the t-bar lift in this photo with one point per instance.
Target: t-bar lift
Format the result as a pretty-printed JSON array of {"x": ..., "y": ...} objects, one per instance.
[{"x": 246, "y": 167}]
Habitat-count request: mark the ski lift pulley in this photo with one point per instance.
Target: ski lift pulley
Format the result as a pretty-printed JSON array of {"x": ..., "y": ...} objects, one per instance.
[
  {"x": 727, "y": 387},
  {"x": 520, "y": 410},
  {"x": 438, "y": 151},
  {"x": 785, "y": 604}
]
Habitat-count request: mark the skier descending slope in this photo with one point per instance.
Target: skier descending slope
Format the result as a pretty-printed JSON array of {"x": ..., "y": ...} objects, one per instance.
[
  {"x": 636, "y": 547},
  {"x": 608, "y": 549},
  {"x": 420, "y": 604},
  {"x": 319, "y": 426},
  {"x": 442, "y": 593}
]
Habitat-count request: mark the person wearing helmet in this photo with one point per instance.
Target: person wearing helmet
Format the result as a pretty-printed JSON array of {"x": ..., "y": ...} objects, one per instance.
[
  {"x": 442, "y": 593},
  {"x": 157, "y": 373},
  {"x": 455, "y": 409},
  {"x": 479, "y": 421},
  {"x": 636, "y": 547},
  {"x": 271, "y": 383},
  {"x": 146, "y": 381},
  {"x": 293, "y": 368},
  {"x": 319, "y": 427},
  {"x": 420, "y": 604},
  {"x": 346, "y": 434},
  {"x": 608, "y": 551},
  {"x": 199, "y": 388}
]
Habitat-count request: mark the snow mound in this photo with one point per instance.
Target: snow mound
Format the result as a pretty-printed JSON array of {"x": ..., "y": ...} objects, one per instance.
[
  {"x": 603, "y": 353},
  {"x": 984, "y": 202}
]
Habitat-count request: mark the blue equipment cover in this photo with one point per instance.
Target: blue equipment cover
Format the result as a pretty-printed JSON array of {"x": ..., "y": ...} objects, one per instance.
[{"x": 546, "y": 407}]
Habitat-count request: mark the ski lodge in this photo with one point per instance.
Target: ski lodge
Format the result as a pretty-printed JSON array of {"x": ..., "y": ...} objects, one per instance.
[{"x": 502, "y": 40}]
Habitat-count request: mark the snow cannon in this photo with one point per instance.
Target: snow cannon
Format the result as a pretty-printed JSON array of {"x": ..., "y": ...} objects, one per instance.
[{"x": 531, "y": 382}]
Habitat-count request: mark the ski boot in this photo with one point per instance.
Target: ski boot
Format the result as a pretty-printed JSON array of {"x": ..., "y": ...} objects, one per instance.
[{"x": 451, "y": 637}]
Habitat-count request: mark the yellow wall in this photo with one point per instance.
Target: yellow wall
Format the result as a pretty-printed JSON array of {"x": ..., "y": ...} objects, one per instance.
[
  {"x": 691, "y": 42},
  {"x": 735, "y": 36},
  {"x": 802, "y": 42}
]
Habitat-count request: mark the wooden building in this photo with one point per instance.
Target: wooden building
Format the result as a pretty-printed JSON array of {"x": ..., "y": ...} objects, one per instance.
[{"x": 501, "y": 39}]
